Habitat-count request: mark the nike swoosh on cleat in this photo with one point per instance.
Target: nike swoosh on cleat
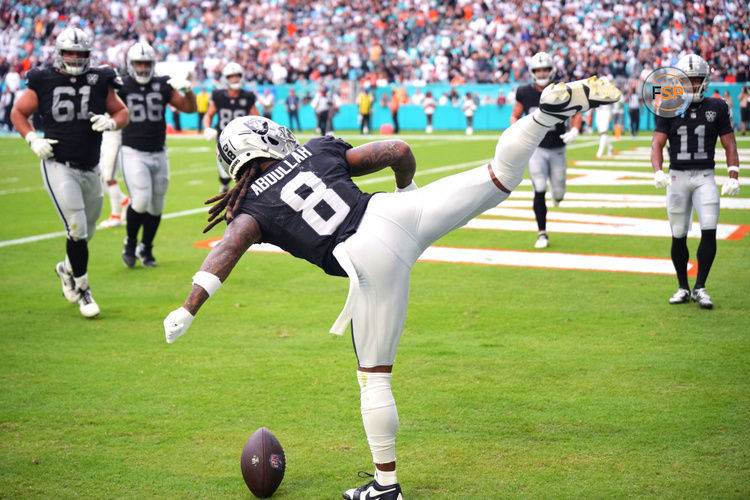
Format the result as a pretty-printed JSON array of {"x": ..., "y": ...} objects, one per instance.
[{"x": 373, "y": 490}]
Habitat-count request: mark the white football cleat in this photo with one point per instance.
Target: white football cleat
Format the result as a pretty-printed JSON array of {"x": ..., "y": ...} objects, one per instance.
[
  {"x": 68, "y": 285},
  {"x": 542, "y": 241},
  {"x": 681, "y": 296},
  {"x": 702, "y": 298},
  {"x": 563, "y": 100},
  {"x": 113, "y": 221},
  {"x": 86, "y": 303}
]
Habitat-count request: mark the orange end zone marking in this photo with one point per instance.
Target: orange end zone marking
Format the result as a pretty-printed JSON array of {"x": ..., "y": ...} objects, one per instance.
[
  {"x": 739, "y": 233},
  {"x": 205, "y": 243}
]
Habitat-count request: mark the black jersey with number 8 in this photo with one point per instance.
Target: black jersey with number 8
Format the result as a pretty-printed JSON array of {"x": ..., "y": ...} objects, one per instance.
[{"x": 307, "y": 203}]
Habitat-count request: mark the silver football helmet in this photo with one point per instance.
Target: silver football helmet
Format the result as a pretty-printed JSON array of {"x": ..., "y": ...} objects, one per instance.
[
  {"x": 232, "y": 69},
  {"x": 542, "y": 61},
  {"x": 141, "y": 53},
  {"x": 695, "y": 67},
  {"x": 73, "y": 40},
  {"x": 249, "y": 137}
]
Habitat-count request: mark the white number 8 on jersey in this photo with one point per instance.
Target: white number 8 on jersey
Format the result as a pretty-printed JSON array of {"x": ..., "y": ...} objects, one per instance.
[{"x": 309, "y": 205}]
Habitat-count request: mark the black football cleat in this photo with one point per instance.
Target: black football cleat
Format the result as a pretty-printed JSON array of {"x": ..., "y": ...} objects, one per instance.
[{"x": 374, "y": 491}]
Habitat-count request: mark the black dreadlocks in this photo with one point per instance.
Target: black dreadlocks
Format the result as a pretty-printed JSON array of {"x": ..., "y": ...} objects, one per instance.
[{"x": 231, "y": 199}]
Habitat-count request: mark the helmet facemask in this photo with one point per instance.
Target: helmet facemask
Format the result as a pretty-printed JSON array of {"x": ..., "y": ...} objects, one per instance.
[
  {"x": 73, "y": 51},
  {"x": 141, "y": 62},
  {"x": 542, "y": 69},
  {"x": 229, "y": 75}
]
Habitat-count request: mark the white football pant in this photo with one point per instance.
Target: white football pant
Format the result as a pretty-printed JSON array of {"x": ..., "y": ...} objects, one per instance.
[
  {"x": 76, "y": 195},
  {"x": 398, "y": 227},
  {"x": 692, "y": 189},
  {"x": 146, "y": 174},
  {"x": 549, "y": 165}
]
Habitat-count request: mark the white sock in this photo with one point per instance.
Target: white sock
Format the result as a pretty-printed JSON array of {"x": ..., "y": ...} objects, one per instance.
[
  {"x": 115, "y": 197},
  {"x": 385, "y": 478},
  {"x": 379, "y": 415},
  {"x": 516, "y": 145},
  {"x": 603, "y": 144}
]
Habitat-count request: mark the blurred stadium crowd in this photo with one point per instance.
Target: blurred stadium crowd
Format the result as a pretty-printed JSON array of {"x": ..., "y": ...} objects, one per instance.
[{"x": 405, "y": 42}]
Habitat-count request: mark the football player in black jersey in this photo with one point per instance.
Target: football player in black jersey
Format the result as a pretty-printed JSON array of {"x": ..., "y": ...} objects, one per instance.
[
  {"x": 228, "y": 103},
  {"x": 143, "y": 155},
  {"x": 548, "y": 163},
  {"x": 303, "y": 199},
  {"x": 77, "y": 104},
  {"x": 690, "y": 183}
]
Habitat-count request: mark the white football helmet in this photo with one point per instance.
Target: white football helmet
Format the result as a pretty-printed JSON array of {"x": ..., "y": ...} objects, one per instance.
[
  {"x": 73, "y": 40},
  {"x": 542, "y": 61},
  {"x": 141, "y": 52},
  {"x": 232, "y": 69},
  {"x": 249, "y": 137},
  {"x": 695, "y": 67}
]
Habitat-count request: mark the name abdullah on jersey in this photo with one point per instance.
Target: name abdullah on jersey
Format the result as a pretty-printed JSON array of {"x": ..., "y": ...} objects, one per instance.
[
  {"x": 307, "y": 203},
  {"x": 147, "y": 103},
  {"x": 65, "y": 105},
  {"x": 528, "y": 95},
  {"x": 692, "y": 135},
  {"x": 228, "y": 108}
]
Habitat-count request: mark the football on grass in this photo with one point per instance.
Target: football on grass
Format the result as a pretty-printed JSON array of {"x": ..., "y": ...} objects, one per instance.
[{"x": 263, "y": 463}]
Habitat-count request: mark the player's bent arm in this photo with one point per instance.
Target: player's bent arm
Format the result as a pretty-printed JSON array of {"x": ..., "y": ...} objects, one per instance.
[
  {"x": 25, "y": 106},
  {"x": 117, "y": 109},
  {"x": 209, "y": 116},
  {"x": 242, "y": 232},
  {"x": 516, "y": 113},
  {"x": 375, "y": 156},
  {"x": 729, "y": 143},
  {"x": 184, "y": 102},
  {"x": 657, "y": 150}
]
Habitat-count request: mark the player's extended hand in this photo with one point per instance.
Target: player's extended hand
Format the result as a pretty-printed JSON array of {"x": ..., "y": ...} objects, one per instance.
[
  {"x": 179, "y": 84},
  {"x": 177, "y": 323},
  {"x": 661, "y": 180},
  {"x": 40, "y": 146},
  {"x": 210, "y": 133},
  {"x": 100, "y": 123},
  {"x": 570, "y": 136},
  {"x": 731, "y": 187}
]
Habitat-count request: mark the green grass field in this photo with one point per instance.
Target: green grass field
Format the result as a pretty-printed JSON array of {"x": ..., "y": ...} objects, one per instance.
[{"x": 510, "y": 381}]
